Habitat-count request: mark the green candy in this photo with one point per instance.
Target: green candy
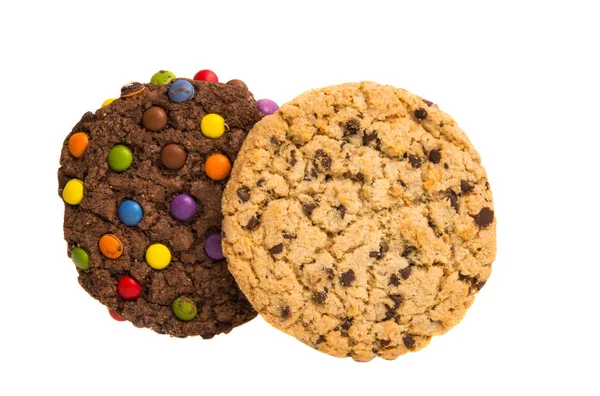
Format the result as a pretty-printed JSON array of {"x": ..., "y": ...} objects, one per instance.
[
  {"x": 162, "y": 77},
  {"x": 120, "y": 158},
  {"x": 184, "y": 308},
  {"x": 80, "y": 258}
]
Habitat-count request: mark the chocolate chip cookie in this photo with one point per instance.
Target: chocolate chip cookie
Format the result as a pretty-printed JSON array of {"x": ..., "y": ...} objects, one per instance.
[
  {"x": 142, "y": 180},
  {"x": 359, "y": 219}
]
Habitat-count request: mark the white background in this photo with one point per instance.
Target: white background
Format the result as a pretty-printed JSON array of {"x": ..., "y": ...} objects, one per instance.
[{"x": 521, "y": 78}]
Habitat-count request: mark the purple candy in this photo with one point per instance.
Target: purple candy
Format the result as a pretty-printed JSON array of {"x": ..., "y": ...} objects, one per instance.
[
  {"x": 212, "y": 247},
  {"x": 266, "y": 106},
  {"x": 183, "y": 207}
]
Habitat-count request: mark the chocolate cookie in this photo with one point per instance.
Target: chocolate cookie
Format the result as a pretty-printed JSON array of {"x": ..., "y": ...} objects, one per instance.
[
  {"x": 142, "y": 180},
  {"x": 358, "y": 219}
]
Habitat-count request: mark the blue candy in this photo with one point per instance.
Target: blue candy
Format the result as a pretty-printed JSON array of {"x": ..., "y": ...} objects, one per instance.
[
  {"x": 181, "y": 90},
  {"x": 130, "y": 212}
]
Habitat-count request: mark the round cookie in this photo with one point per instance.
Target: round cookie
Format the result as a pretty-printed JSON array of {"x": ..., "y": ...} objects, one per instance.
[
  {"x": 359, "y": 220},
  {"x": 140, "y": 208}
]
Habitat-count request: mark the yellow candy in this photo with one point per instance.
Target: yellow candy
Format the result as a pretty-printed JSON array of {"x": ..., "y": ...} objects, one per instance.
[
  {"x": 212, "y": 126},
  {"x": 158, "y": 256},
  {"x": 73, "y": 192},
  {"x": 107, "y": 102}
]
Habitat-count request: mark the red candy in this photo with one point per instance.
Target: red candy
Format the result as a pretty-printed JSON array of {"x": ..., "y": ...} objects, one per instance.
[
  {"x": 128, "y": 288},
  {"x": 206, "y": 75},
  {"x": 116, "y": 316}
]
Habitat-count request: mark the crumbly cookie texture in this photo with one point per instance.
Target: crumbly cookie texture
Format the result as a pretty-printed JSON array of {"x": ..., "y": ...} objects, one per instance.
[
  {"x": 146, "y": 121},
  {"x": 359, "y": 220}
]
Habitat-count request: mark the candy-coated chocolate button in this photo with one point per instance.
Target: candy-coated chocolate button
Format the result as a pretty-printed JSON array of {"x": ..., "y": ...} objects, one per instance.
[
  {"x": 78, "y": 142},
  {"x": 128, "y": 288},
  {"x": 212, "y": 125},
  {"x": 107, "y": 102},
  {"x": 158, "y": 256},
  {"x": 73, "y": 192},
  {"x": 154, "y": 119},
  {"x": 80, "y": 258},
  {"x": 173, "y": 156},
  {"x": 206, "y": 75},
  {"x": 213, "y": 248},
  {"x": 162, "y": 77},
  {"x": 266, "y": 106},
  {"x": 111, "y": 246},
  {"x": 132, "y": 89},
  {"x": 130, "y": 212},
  {"x": 217, "y": 167},
  {"x": 181, "y": 90},
  {"x": 116, "y": 316},
  {"x": 237, "y": 83},
  {"x": 184, "y": 308},
  {"x": 120, "y": 158},
  {"x": 183, "y": 207}
]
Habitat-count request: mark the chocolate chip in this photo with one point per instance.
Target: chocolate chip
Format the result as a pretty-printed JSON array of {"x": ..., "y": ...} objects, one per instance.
[
  {"x": 435, "y": 156},
  {"x": 397, "y": 299},
  {"x": 351, "y": 127},
  {"x": 323, "y": 158},
  {"x": 453, "y": 199},
  {"x": 284, "y": 311},
  {"x": 347, "y": 278},
  {"x": 421, "y": 113},
  {"x": 384, "y": 343},
  {"x": 253, "y": 223},
  {"x": 320, "y": 340},
  {"x": 405, "y": 272},
  {"x": 485, "y": 217},
  {"x": 359, "y": 177},
  {"x": 480, "y": 285},
  {"x": 308, "y": 208},
  {"x": 293, "y": 161},
  {"x": 465, "y": 186},
  {"x": 409, "y": 341},
  {"x": 260, "y": 182},
  {"x": 401, "y": 183},
  {"x": 329, "y": 273},
  {"x": 369, "y": 137},
  {"x": 383, "y": 248},
  {"x": 243, "y": 193},
  {"x": 414, "y": 161},
  {"x": 408, "y": 251},
  {"x": 428, "y": 102},
  {"x": 394, "y": 280},
  {"x": 276, "y": 249},
  {"x": 446, "y": 166},
  {"x": 287, "y": 235},
  {"x": 320, "y": 297},
  {"x": 311, "y": 175},
  {"x": 274, "y": 141},
  {"x": 347, "y": 323},
  {"x": 341, "y": 209}
]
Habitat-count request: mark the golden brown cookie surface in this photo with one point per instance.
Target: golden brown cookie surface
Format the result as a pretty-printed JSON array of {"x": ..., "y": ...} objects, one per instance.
[{"x": 358, "y": 219}]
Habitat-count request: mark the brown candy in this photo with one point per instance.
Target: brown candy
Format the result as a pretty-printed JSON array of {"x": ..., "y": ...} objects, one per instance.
[
  {"x": 173, "y": 156},
  {"x": 154, "y": 119},
  {"x": 237, "y": 83}
]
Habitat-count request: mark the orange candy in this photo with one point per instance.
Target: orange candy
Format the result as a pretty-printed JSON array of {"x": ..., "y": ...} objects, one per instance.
[
  {"x": 78, "y": 142},
  {"x": 111, "y": 246},
  {"x": 217, "y": 167}
]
